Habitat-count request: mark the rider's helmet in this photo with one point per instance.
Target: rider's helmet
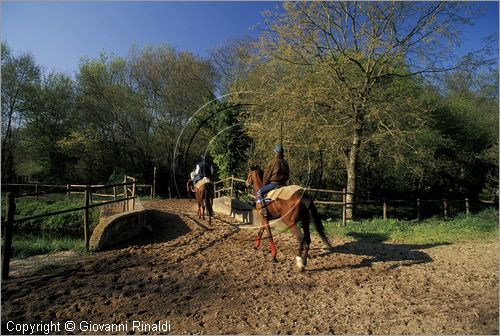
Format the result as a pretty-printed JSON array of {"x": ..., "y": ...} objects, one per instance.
[{"x": 278, "y": 149}]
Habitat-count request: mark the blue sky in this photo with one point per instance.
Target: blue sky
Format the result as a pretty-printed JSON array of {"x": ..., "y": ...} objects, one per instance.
[{"x": 59, "y": 33}]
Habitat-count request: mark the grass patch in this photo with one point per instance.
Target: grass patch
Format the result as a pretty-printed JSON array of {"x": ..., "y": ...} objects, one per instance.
[
  {"x": 50, "y": 234},
  {"x": 462, "y": 228},
  {"x": 62, "y": 225},
  {"x": 29, "y": 245}
]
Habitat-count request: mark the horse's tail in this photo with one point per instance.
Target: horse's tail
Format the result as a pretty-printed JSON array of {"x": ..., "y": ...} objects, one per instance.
[
  {"x": 208, "y": 194},
  {"x": 314, "y": 216}
]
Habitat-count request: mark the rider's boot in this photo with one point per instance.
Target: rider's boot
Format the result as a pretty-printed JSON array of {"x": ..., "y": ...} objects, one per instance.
[
  {"x": 264, "y": 212},
  {"x": 263, "y": 207}
]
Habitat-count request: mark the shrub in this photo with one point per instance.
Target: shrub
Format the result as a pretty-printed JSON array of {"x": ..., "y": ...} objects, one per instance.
[{"x": 67, "y": 224}]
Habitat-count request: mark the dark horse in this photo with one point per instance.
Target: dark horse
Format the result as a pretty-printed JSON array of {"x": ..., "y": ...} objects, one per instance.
[
  {"x": 205, "y": 198},
  {"x": 299, "y": 207}
]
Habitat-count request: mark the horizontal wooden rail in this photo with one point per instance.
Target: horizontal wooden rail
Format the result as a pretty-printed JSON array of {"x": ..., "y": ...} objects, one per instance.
[
  {"x": 325, "y": 190},
  {"x": 33, "y": 184},
  {"x": 329, "y": 202},
  {"x": 24, "y": 219},
  {"x": 87, "y": 190}
]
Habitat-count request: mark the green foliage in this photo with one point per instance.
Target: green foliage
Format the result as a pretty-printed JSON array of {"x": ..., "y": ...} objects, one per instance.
[
  {"x": 229, "y": 145},
  {"x": 20, "y": 83},
  {"x": 50, "y": 119},
  {"x": 67, "y": 224},
  {"x": 466, "y": 122},
  {"x": 125, "y": 116},
  {"x": 29, "y": 245},
  {"x": 481, "y": 226}
]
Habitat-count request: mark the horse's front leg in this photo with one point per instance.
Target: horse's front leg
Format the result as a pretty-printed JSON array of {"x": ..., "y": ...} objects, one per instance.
[
  {"x": 272, "y": 245},
  {"x": 259, "y": 237}
]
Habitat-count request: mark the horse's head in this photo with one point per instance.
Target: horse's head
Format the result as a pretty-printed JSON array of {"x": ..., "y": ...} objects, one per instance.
[{"x": 254, "y": 173}]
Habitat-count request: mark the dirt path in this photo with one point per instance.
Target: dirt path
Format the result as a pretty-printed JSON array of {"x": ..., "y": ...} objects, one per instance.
[{"x": 201, "y": 279}]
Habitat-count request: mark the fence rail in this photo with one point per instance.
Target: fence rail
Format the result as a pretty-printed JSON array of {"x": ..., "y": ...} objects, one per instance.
[
  {"x": 339, "y": 198},
  {"x": 76, "y": 189},
  {"x": 128, "y": 198}
]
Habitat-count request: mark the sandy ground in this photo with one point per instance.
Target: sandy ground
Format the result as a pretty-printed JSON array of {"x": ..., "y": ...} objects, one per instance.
[{"x": 189, "y": 277}]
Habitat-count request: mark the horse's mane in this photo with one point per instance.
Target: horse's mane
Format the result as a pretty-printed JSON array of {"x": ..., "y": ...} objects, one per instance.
[{"x": 259, "y": 170}]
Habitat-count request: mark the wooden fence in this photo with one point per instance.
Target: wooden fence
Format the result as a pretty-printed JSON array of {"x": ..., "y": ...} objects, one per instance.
[
  {"x": 229, "y": 187},
  {"x": 128, "y": 195}
]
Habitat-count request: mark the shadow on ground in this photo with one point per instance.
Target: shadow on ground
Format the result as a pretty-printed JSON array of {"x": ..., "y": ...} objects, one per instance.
[
  {"x": 373, "y": 247},
  {"x": 160, "y": 227}
]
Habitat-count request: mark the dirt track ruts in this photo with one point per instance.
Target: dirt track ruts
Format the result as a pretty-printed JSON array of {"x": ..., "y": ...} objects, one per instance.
[{"x": 209, "y": 279}]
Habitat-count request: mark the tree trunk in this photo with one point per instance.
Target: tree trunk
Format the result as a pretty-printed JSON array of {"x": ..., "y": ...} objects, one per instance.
[
  {"x": 7, "y": 152},
  {"x": 352, "y": 163}
]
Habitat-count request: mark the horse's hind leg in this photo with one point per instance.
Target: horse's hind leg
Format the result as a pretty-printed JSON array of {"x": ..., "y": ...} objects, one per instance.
[
  {"x": 300, "y": 238},
  {"x": 306, "y": 242}
]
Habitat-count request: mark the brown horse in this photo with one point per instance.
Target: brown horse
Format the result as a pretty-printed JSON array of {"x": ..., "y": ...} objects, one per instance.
[
  {"x": 205, "y": 198},
  {"x": 299, "y": 206}
]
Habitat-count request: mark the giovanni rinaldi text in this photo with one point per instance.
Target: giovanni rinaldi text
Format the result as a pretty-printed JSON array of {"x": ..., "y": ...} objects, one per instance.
[{"x": 47, "y": 328}]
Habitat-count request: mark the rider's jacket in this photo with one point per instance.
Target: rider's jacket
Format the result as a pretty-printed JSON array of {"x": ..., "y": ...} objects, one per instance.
[
  {"x": 204, "y": 169},
  {"x": 276, "y": 171}
]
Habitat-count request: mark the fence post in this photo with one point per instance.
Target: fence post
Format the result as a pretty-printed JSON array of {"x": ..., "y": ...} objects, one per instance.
[
  {"x": 384, "y": 211},
  {"x": 133, "y": 194},
  {"x": 114, "y": 193},
  {"x": 419, "y": 216},
  {"x": 467, "y": 206},
  {"x": 153, "y": 188},
  {"x": 344, "y": 205},
  {"x": 67, "y": 190},
  {"x": 445, "y": 208},
  {"x": 86, "y": 218},
  {"x": 7, "y": 246},
  {"x": 125, "y": 193},
  {"x": 232, "y": 185}
]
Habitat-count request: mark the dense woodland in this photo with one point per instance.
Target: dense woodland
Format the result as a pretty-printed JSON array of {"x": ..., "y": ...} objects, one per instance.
[{"x": 365, "y": 96}]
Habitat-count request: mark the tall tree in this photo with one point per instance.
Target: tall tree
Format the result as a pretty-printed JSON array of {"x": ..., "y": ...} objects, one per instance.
[
  {"x": 467, "y": 121},
  {"x": 135, "y": 109},
  {"x": 174, "y": 86},
  {"x": 20, "y": 78},
  {"x": 356, "y": 46},
  {"x": 229, "y": 146},
  {"x": 50, "y": 119}
]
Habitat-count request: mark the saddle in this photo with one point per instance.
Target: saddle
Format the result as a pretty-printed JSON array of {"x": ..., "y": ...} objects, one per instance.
[
  {"x": 202, "y": 182},
  {"x": 282, "y": 193}
]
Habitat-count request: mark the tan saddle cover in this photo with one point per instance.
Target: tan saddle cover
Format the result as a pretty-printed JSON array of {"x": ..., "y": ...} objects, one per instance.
[
  {"x": 283, "y": 193},
  {"x": 202, "y": 182}
]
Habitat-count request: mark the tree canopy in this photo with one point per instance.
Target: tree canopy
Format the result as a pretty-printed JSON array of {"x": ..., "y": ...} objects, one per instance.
[{"x": 343, "y": 86}]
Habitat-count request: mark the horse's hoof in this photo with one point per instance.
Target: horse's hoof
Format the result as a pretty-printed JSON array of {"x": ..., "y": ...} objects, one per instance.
[
  {"x": 275, "y": 260},
  {"x": 300, "y": 263}
]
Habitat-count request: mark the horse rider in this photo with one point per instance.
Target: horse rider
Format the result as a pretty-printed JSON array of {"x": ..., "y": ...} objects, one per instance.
[
  {"x": 204, "y": 168},
  {"x": 276, "y": 175}
]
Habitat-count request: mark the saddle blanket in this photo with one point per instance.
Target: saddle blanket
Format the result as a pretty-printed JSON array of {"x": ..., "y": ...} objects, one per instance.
[
  {"x": 202, "y": 182},
  {"x": 283, "y": 193}
]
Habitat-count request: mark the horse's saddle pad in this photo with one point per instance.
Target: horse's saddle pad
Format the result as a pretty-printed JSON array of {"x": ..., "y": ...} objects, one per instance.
[
  {"x": 203, "y": 181},
  {"x": 283, "y": 193}
]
